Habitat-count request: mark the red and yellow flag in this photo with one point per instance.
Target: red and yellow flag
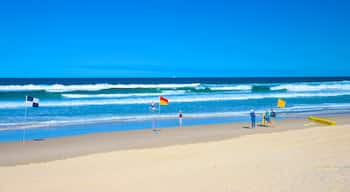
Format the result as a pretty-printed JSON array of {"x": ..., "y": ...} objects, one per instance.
[{"x": 163, "y": 101}]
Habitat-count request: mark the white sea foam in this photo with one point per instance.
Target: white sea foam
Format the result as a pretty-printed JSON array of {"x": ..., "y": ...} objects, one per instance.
[
  {"x": 89, "y": 87},
  {"x": 314, "y": 107},
  {"x": 172, "y": 99},
  {"x": 164, "y": 93},
  {"x": 107, "y": 119},
  {"x": 293, "y": 87},
  {"x": 232, "y": 88},
  {"x": 311, "y": 87},
  {"x": 110, "y": 119}
]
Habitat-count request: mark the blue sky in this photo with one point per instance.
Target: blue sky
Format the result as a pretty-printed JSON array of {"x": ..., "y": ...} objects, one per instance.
[{"x": 167, "y": 38}]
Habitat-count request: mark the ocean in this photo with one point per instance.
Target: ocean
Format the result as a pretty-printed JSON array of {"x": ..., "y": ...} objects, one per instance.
[{"x": 73, "y": 106}]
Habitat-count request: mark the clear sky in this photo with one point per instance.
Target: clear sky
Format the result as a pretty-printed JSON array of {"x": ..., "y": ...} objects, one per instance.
[{"x": 167, "y": 38}]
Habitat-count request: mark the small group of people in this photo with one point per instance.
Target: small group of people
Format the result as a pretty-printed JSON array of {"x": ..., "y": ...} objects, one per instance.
[{"x": 266, "y": 120}]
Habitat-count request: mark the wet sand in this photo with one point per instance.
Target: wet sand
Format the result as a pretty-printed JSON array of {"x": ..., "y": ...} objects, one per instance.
[
  {"x": 296, "y": 155},
  {"x": 14, "y": 153}
]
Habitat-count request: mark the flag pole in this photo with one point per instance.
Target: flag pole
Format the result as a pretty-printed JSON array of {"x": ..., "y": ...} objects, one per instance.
[{"x": 159, "y": 116}]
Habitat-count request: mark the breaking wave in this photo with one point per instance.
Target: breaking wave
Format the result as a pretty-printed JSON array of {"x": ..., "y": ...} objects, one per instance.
[{"x": 172, "y": 99}]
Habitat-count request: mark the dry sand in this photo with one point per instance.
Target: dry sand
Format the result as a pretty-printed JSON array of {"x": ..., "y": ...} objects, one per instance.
[{"x": 204, "y": 158}]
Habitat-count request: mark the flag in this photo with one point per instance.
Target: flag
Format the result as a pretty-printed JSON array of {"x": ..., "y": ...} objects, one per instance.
[
  {"x": 29, "y": 98},
  {"x": 34, "y": 102},
  {"x": 281, "y": 103},
  {"x": 163, "y": 101}
]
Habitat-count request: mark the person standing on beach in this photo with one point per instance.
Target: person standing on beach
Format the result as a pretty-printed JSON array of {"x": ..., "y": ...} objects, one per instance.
[
  {"x": 272, "y": 117},
  {"x": 252, "y": 118},
  {"x": 153, "y": 106},
  {"x": 180, "y": 118},
  {"x": 267, "y": 117},
  {"x": 263, "y": 119}
]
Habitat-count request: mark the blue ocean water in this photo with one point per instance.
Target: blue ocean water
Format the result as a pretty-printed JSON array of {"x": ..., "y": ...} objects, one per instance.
[{"x": 109, "y": 104}]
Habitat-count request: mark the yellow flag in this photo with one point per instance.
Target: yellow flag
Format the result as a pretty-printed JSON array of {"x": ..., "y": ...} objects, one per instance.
[{"x": 281, "y": 103}]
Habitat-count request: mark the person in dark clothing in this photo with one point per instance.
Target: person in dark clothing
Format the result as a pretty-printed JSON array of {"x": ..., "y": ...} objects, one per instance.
[
  {"x": 252, "y": 118},
  {"x": 273, "y": 117},
  {"x": 267, "y": 117},
  {"x": 273, "y": 113}
]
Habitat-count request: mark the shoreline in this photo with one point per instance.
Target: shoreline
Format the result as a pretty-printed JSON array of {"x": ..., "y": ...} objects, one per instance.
[
  {"x": 68, "y": 130},
  {"x": 16, "y": 153}
]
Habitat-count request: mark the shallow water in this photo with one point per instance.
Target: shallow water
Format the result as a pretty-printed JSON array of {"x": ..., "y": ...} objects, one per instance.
[{"x": 86, "y": 105}]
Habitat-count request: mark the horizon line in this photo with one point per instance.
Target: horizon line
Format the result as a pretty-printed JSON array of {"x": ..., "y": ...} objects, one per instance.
[{"x": 219, "y": 77}]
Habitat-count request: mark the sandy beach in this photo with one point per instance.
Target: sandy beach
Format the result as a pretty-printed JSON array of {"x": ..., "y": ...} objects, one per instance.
[
  {"x": 160, "y": 96},
  {"x": 296, "y": 155}
]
